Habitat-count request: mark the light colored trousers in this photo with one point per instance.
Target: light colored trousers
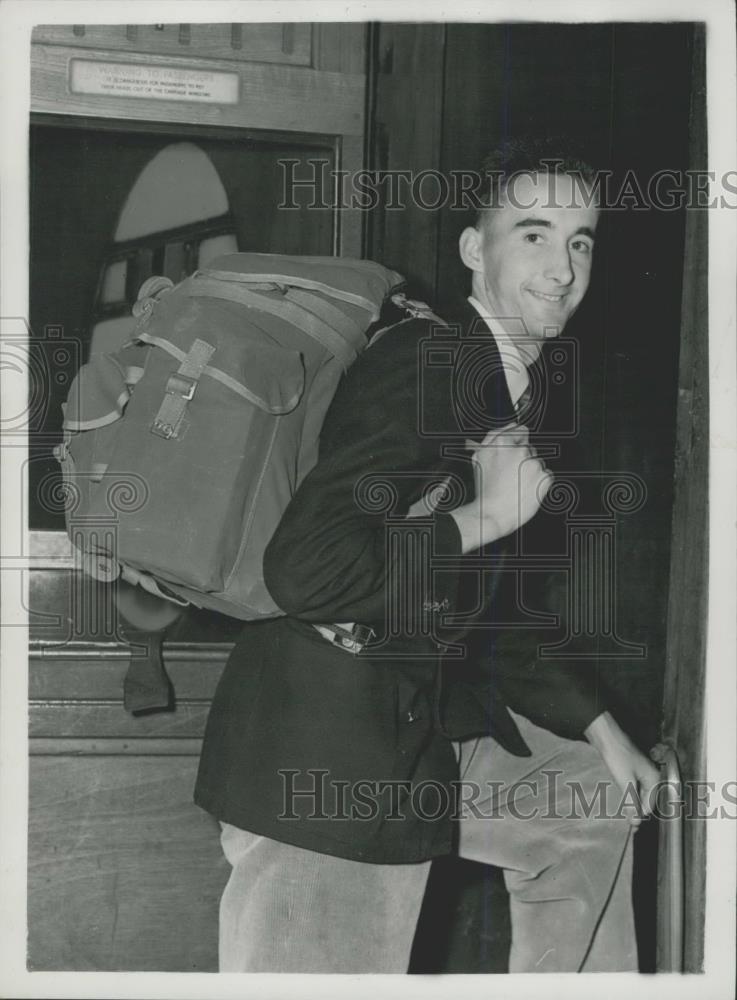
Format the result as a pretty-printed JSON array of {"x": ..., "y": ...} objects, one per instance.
[{"x": 286, "y": 909}]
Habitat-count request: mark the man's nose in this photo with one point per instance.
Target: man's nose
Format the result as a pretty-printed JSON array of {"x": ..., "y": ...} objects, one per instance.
[{"x": 559, "y": 266}]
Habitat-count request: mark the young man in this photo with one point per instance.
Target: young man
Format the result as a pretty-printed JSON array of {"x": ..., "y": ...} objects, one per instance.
[{"x": 327, "y": 763}]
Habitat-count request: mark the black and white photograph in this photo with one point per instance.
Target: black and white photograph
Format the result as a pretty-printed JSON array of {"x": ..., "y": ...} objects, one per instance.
[{"x": 368, "y": 483}]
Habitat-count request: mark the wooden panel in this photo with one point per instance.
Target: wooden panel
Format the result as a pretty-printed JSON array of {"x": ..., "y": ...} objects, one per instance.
[
  {"x": 125, "y": 872},
  {"x": 64, "y": 606},
  {"x": 339, "y": 46},
  {"x": 409, "y": 102},
  {"x": 286, "y": 98},
  {"x": 267, "y": 42},
  {"x": 99, "y": 677},
  {"x": 68, "y": 609},
  {"x": 474, "y": 92},
  {"x": 685, "y": 679},
  {"x": 351, "y": 230},
  {"x": 82, "y": 746},
  {"x": 87, "y": 718}
]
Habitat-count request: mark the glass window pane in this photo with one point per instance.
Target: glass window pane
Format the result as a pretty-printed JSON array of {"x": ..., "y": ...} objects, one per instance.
[
  {"x": 113, "y": 285},
  {"x": 156, "y": 204},
  {"x": 174, "y": 262}
]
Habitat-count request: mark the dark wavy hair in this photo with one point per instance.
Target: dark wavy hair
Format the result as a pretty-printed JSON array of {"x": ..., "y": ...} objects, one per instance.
[{"x": 531, "y": 155}]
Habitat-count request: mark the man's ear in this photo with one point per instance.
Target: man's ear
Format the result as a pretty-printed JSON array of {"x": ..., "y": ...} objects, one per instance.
[{"x": 469, "y": 247}]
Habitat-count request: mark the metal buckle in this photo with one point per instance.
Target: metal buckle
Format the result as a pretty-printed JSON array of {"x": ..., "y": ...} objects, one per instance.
[
  {"x": 351, "y": 640},
  {"x": 162, "y": 430},
  {"x": 181, "y": 385}
]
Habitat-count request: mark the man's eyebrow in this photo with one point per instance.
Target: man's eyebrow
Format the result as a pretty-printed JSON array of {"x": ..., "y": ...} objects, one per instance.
[
  {"x": 547, "y": 224},
  {"x": 529, "y": 221}
]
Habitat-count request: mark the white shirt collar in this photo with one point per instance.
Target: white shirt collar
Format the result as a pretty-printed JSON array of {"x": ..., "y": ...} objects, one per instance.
[{"x": 515, "y": 370}]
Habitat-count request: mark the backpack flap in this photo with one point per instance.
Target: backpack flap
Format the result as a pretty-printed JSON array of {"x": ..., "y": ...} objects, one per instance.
[{"x": 199, "y": 432}]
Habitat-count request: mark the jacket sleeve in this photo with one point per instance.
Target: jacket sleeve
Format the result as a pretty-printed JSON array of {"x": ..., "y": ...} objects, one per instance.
[
  {"x": 561, "y": 695},
  {"x": 332, "y": 558}
]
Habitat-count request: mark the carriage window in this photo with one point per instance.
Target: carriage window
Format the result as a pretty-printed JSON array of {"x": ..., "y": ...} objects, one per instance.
[
  {"x": 112, "y": 205},
  {"x": 161, "y": 230}
]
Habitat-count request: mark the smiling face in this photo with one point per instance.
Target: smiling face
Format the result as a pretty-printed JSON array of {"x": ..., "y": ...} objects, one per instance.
[{"x": 531, "y": 256}]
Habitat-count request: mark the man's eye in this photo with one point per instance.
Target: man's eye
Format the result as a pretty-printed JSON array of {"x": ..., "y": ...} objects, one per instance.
[
  {"x": 533, "y": 237},
  {"x": 582, "y": 246}
]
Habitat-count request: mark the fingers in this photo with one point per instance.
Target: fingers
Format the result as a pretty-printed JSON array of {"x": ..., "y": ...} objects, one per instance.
[
  {"x": 649, "y": 782},
  {"x": 644, "y": 791},
  {"x": 546, "y": 481},
  {"x": 508, "y": 434},
  {"x": 539, "y": 474}
]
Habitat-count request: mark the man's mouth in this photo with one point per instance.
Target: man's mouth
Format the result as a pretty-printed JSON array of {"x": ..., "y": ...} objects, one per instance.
[{"x": 545, "y": 297}]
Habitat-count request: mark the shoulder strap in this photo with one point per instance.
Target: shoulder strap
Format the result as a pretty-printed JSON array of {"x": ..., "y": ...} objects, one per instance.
[
  {"x": 413, "y": 308},
  {"x": 416, "y": 309}
]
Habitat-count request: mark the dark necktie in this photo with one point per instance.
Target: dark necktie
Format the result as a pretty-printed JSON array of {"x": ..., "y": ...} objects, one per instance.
[{"x": 522, "y": 405}]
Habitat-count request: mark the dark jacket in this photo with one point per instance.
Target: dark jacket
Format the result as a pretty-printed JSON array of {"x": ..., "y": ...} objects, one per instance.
[{"x": 294, "y": 713}]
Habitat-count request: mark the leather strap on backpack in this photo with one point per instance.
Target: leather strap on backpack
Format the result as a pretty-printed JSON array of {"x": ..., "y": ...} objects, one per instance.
[
  {"x": 180, "y": 389},
  {"x": 144, "y": 622},
  {"x": 146, "y": 687}
]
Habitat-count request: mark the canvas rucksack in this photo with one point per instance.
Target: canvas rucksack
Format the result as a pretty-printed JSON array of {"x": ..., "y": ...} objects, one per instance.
[{"x": 182, "y": 448}]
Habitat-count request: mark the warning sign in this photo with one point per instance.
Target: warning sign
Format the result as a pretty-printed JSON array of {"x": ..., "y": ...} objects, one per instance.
[{"x": 163, "y": 83}]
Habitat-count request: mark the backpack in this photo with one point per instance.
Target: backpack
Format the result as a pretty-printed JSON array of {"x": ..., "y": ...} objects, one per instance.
[{"x": 181, "y": 449}]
